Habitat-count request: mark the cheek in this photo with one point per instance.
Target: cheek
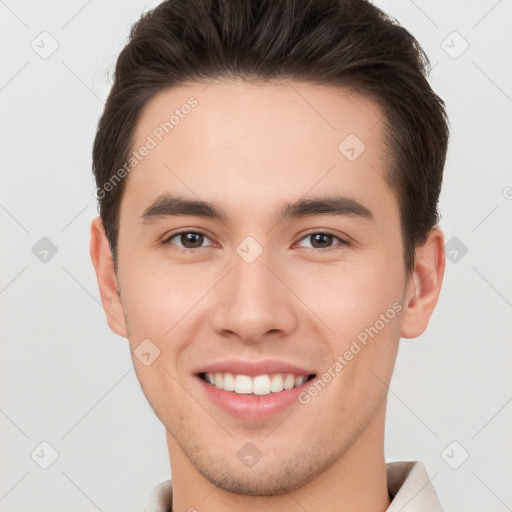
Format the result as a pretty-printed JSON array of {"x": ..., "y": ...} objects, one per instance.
[
  {"x": 360, "y": 305},
  {"x": 156, "y": 312},
  {"x": 348, "y": 297},
  {"x": 158, "y": 297}
]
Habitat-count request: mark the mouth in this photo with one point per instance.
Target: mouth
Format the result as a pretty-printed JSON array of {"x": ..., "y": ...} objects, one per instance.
[
  {"x": 258, "y": 385},
  {"x": 253, "y": 390}
]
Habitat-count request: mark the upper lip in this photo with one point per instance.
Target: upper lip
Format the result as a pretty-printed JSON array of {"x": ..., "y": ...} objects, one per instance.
[{"x": 253, "y": 368}]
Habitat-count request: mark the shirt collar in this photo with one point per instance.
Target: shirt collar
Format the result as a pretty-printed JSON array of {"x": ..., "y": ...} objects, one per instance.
[{"x": 409, "y": 487}]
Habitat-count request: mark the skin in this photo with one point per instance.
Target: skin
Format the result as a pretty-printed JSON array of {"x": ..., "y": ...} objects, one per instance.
[{"x": 250, "y": 148}]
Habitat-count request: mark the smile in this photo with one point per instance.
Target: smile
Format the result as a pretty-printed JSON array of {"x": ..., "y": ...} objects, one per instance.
[{"x": 257, "y": 385}]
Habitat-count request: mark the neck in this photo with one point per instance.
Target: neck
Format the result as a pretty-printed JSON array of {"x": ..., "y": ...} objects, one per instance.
[{"x": 354, "y": 482}]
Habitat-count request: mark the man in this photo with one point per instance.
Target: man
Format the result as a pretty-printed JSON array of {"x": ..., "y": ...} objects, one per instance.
[{"x": 268, "y": 176}]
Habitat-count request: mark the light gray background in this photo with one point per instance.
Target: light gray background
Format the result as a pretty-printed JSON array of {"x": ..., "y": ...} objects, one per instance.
[{"x": 67, "y": 380}]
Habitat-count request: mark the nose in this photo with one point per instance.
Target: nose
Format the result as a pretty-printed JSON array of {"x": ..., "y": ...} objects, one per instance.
[{"x": 254, "y": 302}]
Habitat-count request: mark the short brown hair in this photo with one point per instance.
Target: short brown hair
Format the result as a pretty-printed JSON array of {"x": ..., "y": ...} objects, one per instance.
[{"x": 347, "y": 43}]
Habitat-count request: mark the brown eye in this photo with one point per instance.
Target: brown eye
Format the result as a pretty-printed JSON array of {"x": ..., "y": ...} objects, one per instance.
[
  {"x": 187, "y": 239},
  {"x": 323, "y": 240}
]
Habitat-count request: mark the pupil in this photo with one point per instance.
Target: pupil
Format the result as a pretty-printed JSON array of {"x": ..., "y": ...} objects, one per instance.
[
  {"x": 188, "y": 239},
  {"x": 321, "y": 236}
]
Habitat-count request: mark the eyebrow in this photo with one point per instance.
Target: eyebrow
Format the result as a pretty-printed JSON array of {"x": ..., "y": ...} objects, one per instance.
[{"x": 167, "y": 205}]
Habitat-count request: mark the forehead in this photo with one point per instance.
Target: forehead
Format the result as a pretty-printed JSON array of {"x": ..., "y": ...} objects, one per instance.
[{"x": 250, "y": 143}]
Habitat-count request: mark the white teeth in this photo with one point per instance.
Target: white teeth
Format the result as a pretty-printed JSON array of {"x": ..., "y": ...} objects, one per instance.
[
  {"x": 289, "y": 382},
  {"x": 259, "y": 385},
  {"x": 243, "y": 384},
  {"x": 299, "y": 381},
  {"x": 276, "y": 384},
  {"x": 229, "y": 382}
]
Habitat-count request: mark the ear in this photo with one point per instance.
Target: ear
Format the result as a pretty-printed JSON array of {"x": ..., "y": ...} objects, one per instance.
[
  {"x": 424, "y": 285},
  {"x": 103, "y": 262}
]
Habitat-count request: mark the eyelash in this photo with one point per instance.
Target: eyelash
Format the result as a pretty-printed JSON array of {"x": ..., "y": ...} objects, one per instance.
[{"x": 167, "y": 241}]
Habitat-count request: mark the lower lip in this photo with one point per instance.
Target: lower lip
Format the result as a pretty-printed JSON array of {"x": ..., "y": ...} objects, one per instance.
[{"x": 253, "y": 407}]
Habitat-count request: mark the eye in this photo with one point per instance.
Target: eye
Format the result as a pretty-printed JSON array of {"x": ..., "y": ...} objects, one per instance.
[
  {"x": 323, "y": 240},
  {"x": 190, "y": 240},
  {"x": 187, "y": 240}
]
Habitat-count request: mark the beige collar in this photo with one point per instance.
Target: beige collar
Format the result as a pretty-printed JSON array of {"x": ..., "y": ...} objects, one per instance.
[{"x": 408, "y": 484}]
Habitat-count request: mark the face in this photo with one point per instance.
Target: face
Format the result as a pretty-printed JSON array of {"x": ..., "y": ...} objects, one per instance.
[{"x": 293, "y": 265}]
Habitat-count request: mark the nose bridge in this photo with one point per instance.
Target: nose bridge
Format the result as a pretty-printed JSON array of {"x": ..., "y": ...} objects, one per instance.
[
  {"x": 252, "y": 280},
  {"x": 253, "y": 301}
]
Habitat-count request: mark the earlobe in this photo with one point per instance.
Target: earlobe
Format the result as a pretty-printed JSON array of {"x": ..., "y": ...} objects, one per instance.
[
  {"x": 424, "y": 285},
  {"x": 102, "y": 260}
]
